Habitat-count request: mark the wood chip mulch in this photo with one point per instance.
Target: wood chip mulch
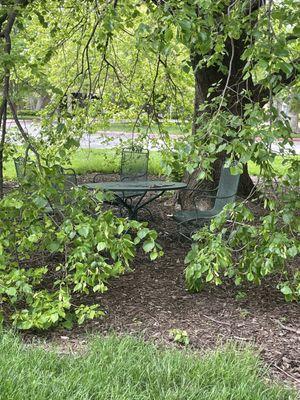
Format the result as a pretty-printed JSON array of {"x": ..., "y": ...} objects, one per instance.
[{"x": 152, "y": 299}]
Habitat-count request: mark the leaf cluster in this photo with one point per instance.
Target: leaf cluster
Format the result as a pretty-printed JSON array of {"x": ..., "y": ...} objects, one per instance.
[
  {"x": 238, "y": 247},
  {"x": 58, "y": 247}
]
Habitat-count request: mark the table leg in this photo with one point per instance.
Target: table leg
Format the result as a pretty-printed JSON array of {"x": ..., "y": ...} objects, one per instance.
[
  {"x": 131, "y": 208},
  {"x": 138, "y": 206},
  {"x": 134, "y": 208}
]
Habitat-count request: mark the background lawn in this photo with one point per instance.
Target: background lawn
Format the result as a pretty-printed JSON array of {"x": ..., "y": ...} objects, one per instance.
[
  {"x": 129, "y": 369},
  {"x": 95, "y": 160},
  {"x": 108, "y": 161}
]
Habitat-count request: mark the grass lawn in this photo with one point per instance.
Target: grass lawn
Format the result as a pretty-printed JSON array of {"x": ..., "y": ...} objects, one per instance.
[
  {"x": 278, "y": 166},
  {"x": 130, "y": 369},
  {"x": 96, "y": 160},
  {"x": 108, "y": 161}
]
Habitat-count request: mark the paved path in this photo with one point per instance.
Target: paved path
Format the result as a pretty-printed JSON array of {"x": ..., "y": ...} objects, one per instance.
[{"x": 108, "y": 139}]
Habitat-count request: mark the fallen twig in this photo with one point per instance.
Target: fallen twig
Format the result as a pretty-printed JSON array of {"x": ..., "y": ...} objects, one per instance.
[
  {"x": 287, "y": 328},
  {"x": 216, "y": 321},
  {"x": 241, "y": 338},
  {"x": 286, "y": 373}
]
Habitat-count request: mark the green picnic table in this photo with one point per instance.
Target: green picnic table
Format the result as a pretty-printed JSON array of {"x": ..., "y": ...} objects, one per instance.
[{"x": 138, "y": 191}]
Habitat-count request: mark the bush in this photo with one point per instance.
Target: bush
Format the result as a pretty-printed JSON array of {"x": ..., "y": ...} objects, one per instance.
[
  {"x": 239, "y": 248},
  {"x": 56, "y": 244}
]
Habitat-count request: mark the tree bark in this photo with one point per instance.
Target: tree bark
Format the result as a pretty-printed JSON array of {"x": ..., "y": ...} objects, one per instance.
[
  {"x": 2, "y": 141},
  {"x": 7, "y": 21},
  {"x": 205, "y": 78},
  {"x": 6, "y": 81}
]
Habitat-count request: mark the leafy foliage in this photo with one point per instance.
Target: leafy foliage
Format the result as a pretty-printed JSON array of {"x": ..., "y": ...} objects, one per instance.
[
  {"x": 56, "y": 245},
  {"x": 237, "y": 247},
  {"x": 241, "y": 55},
  {"x": 179, "y": 336}
]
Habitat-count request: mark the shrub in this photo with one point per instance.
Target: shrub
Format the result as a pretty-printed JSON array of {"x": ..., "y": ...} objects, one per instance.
[
  {"x": 57, "y": 244},
  {"x": 239, "y": 248}
]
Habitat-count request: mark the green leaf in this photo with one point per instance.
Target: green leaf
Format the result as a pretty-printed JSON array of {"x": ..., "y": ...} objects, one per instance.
[
  {"x": 250, "y": 276},
  {"x": 11, "y": 291},
  {"x": 168, "y": 34},
  {"x": 286, "y": 290},
  {"x": 186, "y": 68},
  {"x": 285, "y": 67},
  {"x": 101, "y": 246},
  {"x": 185, "y": 25},
  {"x": 292, "y": 251},
  {"x": 153, "y": 255},
  {"x": 53, "y": 246},
  {"x": 148, "y": 245},
  {"x": 40, "y": 201},
  {"x": 34, "y": 238},
  {"x": 68, "y": 324},
  {"x": 84, "y": 231},
  {"x": 209, "y": 276},
  {"x": 120, "y": 229},
  {"x": 143, "y": 232}
]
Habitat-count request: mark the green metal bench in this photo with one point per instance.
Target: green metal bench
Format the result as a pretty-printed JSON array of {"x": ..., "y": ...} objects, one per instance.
[{"x": 225, "y": 194}]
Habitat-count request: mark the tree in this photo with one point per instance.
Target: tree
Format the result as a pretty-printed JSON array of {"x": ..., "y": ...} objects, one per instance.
[
  {"x": 230, "y": 43},
  {"x": 8, "y": 16},
  {"x": 241, "y": 55}
]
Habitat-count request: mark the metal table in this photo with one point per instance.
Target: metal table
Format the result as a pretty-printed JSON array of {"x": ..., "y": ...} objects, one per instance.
[{"x": 138, "y": 188}]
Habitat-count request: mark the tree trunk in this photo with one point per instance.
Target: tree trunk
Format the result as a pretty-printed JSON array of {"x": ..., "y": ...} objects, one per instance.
[
  {"x": 7, "y": 21},
  {"x": 6, "y": 80},
  {"x": 2, "y": 141},
  {"x": 205, "y": 78}
]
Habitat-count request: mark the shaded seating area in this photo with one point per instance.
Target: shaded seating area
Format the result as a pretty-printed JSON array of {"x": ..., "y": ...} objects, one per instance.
[
  {"x": 130, "y": 191},
  {"x": 133, "y": 168}
]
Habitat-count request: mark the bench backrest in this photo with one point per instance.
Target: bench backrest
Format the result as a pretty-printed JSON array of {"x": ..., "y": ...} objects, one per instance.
[
  {"x": 227, "y": 189},
  {"x": 134, "y": 165}
]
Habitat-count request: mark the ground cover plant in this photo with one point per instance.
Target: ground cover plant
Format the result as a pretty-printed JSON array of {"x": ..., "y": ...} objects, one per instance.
[
  {"x": 127, "y": 368},
  {"x": 249, "y": 252}
]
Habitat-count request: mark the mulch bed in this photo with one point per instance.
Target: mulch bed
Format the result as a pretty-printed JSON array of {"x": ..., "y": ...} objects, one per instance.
[{"x": 152, "y": 299}]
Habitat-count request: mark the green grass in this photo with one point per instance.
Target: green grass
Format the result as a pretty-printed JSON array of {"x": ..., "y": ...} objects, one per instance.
[
  {"x": 130, "y": 369},
  {"x": 25, "y": 114},
  {"x": 96, "y": 160},
  {"x": 108, "y": 161},
  {"x": 278, "y": 166}
]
